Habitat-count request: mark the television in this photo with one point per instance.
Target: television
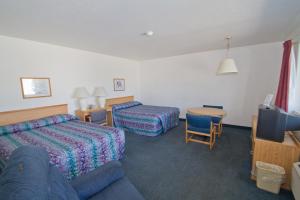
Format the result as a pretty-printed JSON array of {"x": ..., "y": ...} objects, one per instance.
[{"x": 273, "y": 122}]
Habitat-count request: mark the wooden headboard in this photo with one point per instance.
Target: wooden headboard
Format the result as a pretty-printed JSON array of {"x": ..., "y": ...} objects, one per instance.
[
  {"x": 113, "y": 101},
  {"x": 16, "y": 116}
]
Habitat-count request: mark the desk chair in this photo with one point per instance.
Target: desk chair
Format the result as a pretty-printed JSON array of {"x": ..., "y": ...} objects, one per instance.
[
  {"x": 99, "y": 117},
  {"x": 216, "y": 120},
  {"x": 200, "y": 125}
]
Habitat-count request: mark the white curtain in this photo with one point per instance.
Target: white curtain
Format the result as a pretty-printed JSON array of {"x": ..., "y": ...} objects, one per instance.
[{"x": 294, "y": 89}]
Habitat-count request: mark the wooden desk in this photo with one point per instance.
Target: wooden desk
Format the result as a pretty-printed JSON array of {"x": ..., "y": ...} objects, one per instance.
[
  {"x": 283, "y": 154},
  {"x": 84, "y": 115},
  {"x": 207, "y": 111}
]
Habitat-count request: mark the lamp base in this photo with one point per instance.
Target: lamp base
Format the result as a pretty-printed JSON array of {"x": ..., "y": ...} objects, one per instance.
[
  {"x": 100, "y": 102},
  {"x": 83, "y": 104}
]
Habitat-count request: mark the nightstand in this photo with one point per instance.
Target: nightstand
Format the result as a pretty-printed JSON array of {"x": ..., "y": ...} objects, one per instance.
[
  {"x": 109, "y": 117},
  {"x": 84, "y": 115}
]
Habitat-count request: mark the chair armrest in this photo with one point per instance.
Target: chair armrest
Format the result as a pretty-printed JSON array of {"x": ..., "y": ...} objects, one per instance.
[{"x": 95, "y": 181}]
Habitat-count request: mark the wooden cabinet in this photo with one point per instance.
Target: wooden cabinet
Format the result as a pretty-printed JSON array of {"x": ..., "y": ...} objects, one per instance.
[
  {"x": 253, "y": 133},
  {"x": 283, "y": 154}
]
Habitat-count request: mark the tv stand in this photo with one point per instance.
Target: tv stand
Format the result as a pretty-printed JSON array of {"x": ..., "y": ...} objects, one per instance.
[{"x": 279, "y": 153}]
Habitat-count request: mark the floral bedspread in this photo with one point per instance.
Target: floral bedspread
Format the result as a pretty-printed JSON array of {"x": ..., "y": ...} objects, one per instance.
[
  {"x": 75, "y": 147},
  {"x": 144, "y": 119}
]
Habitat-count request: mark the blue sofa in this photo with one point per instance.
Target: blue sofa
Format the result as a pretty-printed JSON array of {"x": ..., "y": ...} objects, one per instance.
[{"x": 28, "y": 175}]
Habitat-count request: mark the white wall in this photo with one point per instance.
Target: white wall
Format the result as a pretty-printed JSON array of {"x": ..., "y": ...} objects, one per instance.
[
  {"x": 182, "y": 81},
  {"x": 190, "y": 81},
  {"x": 68, "y": 68}
]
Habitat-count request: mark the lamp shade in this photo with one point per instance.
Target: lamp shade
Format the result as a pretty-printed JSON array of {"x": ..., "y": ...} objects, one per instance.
[
  {"x": 99, "y": 92},
  {"x": 227, "y": 66},
  {"x": 81, "y": 93}
]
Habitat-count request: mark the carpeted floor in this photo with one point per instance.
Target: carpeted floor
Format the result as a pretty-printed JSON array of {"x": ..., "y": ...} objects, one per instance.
[{"x": 164, "y": 167}]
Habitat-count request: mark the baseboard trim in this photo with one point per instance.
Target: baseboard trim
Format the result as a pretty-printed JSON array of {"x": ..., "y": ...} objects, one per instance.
[
  {"x": 236, "y": 126},
  {"x": 227, "y": 125}
]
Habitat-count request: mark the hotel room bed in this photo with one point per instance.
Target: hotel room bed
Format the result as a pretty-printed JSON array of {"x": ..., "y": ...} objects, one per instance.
[
  {"x": 144, "y": 119},
  {"x": 74, "y": 147}
]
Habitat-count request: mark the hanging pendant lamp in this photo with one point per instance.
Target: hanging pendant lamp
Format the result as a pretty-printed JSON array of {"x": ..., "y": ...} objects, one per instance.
[{"x": 227, "y": 65}]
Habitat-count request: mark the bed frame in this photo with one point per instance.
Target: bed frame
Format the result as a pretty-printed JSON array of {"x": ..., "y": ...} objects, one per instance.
[
  {"x": 16, "y": 116},
  {"x": 113, "y": 101}
]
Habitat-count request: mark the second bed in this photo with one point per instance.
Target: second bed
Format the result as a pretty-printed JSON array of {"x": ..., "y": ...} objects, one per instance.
[{"x": 145, "y": 120}]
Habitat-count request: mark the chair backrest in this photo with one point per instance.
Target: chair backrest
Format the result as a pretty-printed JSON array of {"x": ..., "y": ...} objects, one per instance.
[
  {"x": 212, "y": 106},
  {"x": 98, "y": 116},
  {"x": 199, "y": 121}
]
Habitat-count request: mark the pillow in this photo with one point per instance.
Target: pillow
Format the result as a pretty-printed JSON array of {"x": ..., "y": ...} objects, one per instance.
[
  {"x": 24, "y": 126},
  {"x": 126, "y": 105}
]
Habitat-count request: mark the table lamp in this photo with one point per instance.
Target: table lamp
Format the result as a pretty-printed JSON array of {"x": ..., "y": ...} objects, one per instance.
[
  {"x": 82, "y": 94},
  {"x": 98, "y": 93}
]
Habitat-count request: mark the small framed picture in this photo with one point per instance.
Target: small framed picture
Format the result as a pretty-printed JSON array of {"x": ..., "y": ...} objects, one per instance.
[
  {"x": 119, "y": 84},
  {"x": 35, "y": 87}
]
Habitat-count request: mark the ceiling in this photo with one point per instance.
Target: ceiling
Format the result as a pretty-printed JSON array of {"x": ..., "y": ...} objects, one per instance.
[{"x": 115, "y": 27}]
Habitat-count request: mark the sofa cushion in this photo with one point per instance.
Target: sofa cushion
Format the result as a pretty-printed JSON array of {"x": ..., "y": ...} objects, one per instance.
[
  {"x": 121, "y": 189},
  {"x": 18, "y": 180},
  {"x": 59, "y": 187},
  {"x": 28, "y": 175},
  {"x": 2, "y": 165},
  {"x": 89, "y": 184}
]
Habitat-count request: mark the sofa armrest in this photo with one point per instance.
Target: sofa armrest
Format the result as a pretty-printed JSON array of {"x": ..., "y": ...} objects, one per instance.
[{"x": 93, "y": 182}]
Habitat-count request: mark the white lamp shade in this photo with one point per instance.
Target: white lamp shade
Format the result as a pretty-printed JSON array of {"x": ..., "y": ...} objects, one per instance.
[
  {"x": 99, "y": 92},
  {"x": 227, "y": 66},
  {"x": 81, "y": 93}
]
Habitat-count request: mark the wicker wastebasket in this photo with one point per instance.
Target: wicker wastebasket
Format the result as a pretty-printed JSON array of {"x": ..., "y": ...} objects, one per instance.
[{"x": 269, "y": 177}]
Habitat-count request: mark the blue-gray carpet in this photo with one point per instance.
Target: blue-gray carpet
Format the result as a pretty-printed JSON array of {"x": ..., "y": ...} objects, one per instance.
[{"x": 164, "y": 167}]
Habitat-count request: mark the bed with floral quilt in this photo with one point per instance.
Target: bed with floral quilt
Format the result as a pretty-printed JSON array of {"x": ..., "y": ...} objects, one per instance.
[
  {"x": 75, "y": 147},
  {"x": 145, "y": 120}
]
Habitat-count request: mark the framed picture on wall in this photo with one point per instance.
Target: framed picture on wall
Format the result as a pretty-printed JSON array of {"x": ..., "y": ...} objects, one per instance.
[
  {"x": 119, "y": 84},
  {"x": 35, "y": 87}
]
